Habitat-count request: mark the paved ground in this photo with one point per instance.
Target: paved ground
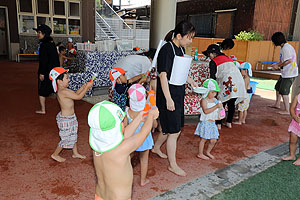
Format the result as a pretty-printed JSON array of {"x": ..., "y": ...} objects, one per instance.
[{"x": 27, "y": 141}]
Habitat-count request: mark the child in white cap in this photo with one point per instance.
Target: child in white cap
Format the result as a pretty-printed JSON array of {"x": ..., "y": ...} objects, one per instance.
[
  {"x": 210, "y": 111},
  {"x": 243, "y": 106},
  {"x": 137, "y": 103},
  {"x": 66, "y": 118},
  {"x": 112, "y": 145}
]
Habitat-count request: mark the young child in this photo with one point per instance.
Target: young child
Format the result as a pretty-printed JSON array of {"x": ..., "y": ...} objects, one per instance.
[
  {"x": 246, "y": 72},
  {"x": 294, "y": 130},
  {"x": 137, "y": 102},
  {"x": 70, "y": 44},
  {"x": 112, "y": 145},
  {"x": 207, "y": 128},
  {"x": 66, "y": 118},
  {"x": 63, "y": 59}
]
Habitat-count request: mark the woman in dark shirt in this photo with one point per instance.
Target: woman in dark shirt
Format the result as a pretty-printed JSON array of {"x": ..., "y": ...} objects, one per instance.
[
  {"x": 48, "y": 57},
  {"x": 170, "y": 98}
]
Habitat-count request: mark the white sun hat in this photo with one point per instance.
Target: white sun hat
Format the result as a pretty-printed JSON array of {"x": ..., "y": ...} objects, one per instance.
[{"x": 105, "y": 120}]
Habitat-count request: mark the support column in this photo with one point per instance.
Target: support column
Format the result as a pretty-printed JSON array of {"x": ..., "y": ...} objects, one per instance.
[
  {"x": 296, "y": 37},
  {"x": 162, "y": 20}
]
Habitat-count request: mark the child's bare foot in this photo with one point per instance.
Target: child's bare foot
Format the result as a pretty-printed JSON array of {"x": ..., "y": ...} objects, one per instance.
[
  {"x": 159, "y": 153},
  {"x": 219, "y": 126},
  {"x": 238, "y": 123},
  {"x": 145, "y": 182},
  {"x": 244, "y": 122},
  {"x": 228, "y": 125},
  {"x": 202, "y": 156},
  {"x": 289, "y": 158},
  {"x": 274, "y": 106},
  {"x": 78, "y": 156},
  {"x": 40, "y": 112},
  {"x": 284, "y": 112},
  {"x": 177, "y": 170},
  {"x": 58, "y": 158},
  {"x": 210, "y": 155},
  {"x": 297, "y": 162}
]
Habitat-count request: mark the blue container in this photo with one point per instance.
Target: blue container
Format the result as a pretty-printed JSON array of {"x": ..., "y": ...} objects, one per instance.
[{"x": 253, "y": 85}]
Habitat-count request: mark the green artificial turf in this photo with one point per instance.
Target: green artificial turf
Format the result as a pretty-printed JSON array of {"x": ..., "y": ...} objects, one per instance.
[
  {"x": 280, "y": 182},
  {"x": 267, "y": 84}
]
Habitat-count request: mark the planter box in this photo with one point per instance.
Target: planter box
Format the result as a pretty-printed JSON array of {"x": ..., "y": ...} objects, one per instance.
[{"x": 248, "y": 51}]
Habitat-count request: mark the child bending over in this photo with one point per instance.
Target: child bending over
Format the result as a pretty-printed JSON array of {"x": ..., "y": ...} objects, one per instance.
[
  {"x": 112, "y": 145},
  {"x": 63, "y": 59},
  {"x": 210, "y": 111},
  {"x": 66, "y": 118},
  {"x": 294, "y": 130}
]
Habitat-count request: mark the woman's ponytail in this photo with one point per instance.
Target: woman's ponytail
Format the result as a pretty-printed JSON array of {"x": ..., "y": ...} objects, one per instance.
[{"x": 169, "y": 36}]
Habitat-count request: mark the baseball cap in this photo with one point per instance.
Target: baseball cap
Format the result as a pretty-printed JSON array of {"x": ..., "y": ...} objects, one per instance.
[
  {"x": 73, "y": 51},
  {"x": 114, "y": 74},
  {"x": 213, "y": 48},
  {"x": 246, "y": 65},
  {"x": 137, "y": 98},
  {"x": 44, "y": 29},
  {"x": 54, "y": 73},
  {"x": 105, "y": 120}
]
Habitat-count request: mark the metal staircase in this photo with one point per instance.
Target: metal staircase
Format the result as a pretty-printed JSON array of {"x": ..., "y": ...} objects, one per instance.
[{"x": 103, "y": 30}]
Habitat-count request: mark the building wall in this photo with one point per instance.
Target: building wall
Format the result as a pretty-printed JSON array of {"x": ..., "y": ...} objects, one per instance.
[
  {"x": 271, "y": 16},
  {"x": 243, "y": 15},
  {"x": 88, "y": 20}
]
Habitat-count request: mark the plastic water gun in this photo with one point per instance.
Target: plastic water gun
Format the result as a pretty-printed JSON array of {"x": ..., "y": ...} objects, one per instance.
[
  {"x": 151, "y": 102},
  {"x": 93, "y": 78}
]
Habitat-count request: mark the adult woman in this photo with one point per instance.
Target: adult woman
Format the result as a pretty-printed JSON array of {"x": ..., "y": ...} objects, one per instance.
[
  {"x": 48, "y": 57},
  {"x": 289, "y": 71},
  {"x": 170, "y": 97},
  {"x": 229, "y": 78}
]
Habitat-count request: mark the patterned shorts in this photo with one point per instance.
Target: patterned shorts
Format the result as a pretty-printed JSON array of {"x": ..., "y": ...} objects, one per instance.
[
  {"x": 245, "y": 105},
  {"x": 68, "y": 127}
]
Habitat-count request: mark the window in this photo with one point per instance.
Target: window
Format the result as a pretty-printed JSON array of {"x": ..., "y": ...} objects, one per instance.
[
  {"x": 59, "y": 26},
  {"x": 44, "y": 20},
  {"x": 74, "y": 26},
  {"x": 74, "y": 9},
  {"x": 26, "y": 24},
  {"x": 43, "y": 6},
  {"x": 59, "y": 8},
  {"x": 25, "y": 6},
  {"x": 62, "y": 16}
]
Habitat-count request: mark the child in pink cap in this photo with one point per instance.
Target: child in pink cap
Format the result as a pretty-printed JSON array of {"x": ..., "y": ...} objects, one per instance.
[{"x": 137, "y": 103}]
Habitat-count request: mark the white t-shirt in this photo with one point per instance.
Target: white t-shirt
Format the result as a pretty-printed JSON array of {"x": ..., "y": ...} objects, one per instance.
[
  {"x": 288, "y": 52},
  {"x": 134, "y": 64}
]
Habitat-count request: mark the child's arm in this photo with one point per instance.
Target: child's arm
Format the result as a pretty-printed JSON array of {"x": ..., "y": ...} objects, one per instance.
[
  {"x": 293, "y": 108},
  {"x": 132, "y": 143},
  {"x": 78, "y": 95},
  {"x": 131, "y": 127},
  {"x": 209, "y": 110}
]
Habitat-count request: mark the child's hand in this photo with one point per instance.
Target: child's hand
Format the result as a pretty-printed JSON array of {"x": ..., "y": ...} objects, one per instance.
[
  {"x": 89, "y": 84},
  {"x": 219, "y": 105},
  {"x": 154, "y": 113},
  {"x": 142, "y": 115},
  {"x": 297, "y": 119}
]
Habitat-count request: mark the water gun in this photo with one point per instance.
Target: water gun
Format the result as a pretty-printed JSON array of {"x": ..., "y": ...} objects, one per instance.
[
  {"x": 150, "y": 102},
  {"x": 93, "y": 78}
]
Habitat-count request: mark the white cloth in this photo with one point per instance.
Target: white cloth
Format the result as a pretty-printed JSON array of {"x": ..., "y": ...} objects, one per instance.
[
  {"x": 231, "y": 83},
  {"x": 288, "y": 52},
  {"x": 210, "y": 116},
  {"x": 134, "y": 64}
]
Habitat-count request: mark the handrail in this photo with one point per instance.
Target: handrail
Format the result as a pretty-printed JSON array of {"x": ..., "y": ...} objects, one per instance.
[
  {"x": 116, "y": 14},
  {"x": 103, "y": 19}
]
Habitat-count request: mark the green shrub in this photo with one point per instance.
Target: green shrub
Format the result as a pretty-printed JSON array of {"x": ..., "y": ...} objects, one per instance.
[{"x": 251, "y": 35}]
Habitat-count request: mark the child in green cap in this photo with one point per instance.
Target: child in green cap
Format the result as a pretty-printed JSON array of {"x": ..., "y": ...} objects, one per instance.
[{"x": 210, "y": 111}]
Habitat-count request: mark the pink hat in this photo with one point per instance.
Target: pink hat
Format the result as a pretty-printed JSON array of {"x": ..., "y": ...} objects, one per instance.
[
  {"x": 54, "y": 73},
  {"x": 114, "y": 74},
  {"x": 137, "y": 98}
]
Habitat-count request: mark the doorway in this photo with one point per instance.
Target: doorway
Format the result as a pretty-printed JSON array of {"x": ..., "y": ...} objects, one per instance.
[{"x": 4, "y": 34}]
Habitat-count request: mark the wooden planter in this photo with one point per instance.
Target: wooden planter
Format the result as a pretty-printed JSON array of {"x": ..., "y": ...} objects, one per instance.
[{"x": 248, "y": 51}]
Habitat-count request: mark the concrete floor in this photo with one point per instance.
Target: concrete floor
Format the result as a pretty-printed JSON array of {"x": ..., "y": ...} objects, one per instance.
[{"x": 27, "y": 140}]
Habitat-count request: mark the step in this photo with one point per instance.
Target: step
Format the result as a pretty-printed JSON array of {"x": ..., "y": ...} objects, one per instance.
[{"x": 267, "y": 74}]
